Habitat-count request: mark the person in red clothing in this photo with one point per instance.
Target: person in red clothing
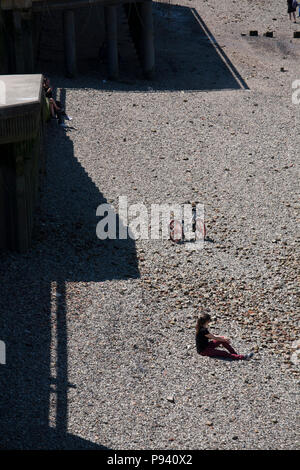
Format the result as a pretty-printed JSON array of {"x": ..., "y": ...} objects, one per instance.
[{"x": 210, "y": 348}]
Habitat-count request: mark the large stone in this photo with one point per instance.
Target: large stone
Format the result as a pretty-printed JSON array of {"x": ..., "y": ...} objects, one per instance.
[
  {"x": 296, "y": 344},
  {"x": 295, "y": 357}
]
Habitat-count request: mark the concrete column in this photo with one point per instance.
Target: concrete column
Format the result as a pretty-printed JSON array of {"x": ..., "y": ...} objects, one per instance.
[
  {"x": 70, "y": 43},
  {"x": 148, "y": 56},
  {"x": 112, "y": 41}
]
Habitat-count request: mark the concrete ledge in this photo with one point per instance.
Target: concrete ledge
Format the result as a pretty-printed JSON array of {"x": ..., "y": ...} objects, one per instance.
[{"x": 20, "y": 102}]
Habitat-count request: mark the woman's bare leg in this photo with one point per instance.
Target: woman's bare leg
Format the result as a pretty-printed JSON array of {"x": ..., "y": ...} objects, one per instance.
[
  {"x": 54, "y": 104},
  {"x": 51, "y": 109},
  {"x": 226, "y": 345}
]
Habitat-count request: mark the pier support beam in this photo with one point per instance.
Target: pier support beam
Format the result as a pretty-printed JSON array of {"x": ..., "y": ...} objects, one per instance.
[
  {"x": 112, "y": 41},
  {"x": 8, "y": 65},
  {"x": 148, "y": 56},
  {"x": 29, "y": 62},
  {"x": 18, "y": 42},
  {"x": 70, "y": 43}
]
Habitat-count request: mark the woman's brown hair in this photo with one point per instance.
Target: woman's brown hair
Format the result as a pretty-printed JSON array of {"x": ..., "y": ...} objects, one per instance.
[{"x": 205, "y": 317}]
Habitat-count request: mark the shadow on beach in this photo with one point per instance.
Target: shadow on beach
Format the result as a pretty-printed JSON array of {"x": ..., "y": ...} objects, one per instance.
[
  {"x": 33, "y": 300},
  {"x": 188, "y": 56}
]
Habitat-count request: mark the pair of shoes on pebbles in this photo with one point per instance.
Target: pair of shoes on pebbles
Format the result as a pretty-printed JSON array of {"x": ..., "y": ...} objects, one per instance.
[
  {"x": 68, "y": 118},
  {"x": 248, "y": 356}
]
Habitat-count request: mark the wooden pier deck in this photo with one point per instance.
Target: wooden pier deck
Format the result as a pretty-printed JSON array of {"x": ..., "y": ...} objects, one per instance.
[{"x": 41, "y": 5}]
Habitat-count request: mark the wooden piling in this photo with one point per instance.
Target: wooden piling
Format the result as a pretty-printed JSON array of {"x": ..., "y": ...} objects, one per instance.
[
  {"x": 112, "y": 41},
  {"x": 148, "y": 56},
  {"x": 18, "y": 42},
  {"x": 27, "y": 33},
  {"x": 70, "y": 43}
]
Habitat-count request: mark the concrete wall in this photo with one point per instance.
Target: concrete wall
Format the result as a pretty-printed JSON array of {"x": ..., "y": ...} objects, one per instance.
[{"x": 21, "y": 160}]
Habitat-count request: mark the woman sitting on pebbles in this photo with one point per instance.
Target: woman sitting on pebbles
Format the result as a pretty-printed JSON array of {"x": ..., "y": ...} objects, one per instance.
[
  {"x": 55, "y": 108},
  {"x": 209, "y": 348}
]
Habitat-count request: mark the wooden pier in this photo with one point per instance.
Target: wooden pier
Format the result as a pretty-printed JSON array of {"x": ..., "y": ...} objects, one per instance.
[{"x": 21, "y": 17}]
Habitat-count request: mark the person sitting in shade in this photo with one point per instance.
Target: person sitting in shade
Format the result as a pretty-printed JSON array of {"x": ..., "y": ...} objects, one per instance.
[{"x": 55, "y": 108}]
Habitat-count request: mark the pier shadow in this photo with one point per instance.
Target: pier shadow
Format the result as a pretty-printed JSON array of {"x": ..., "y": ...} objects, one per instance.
[
  {"x": 33, "y": 302},
  {"x": 188, "y": 57}
]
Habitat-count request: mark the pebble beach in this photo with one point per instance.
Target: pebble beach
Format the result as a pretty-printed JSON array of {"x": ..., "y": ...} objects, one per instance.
[{"x": 105, "y": 330}]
